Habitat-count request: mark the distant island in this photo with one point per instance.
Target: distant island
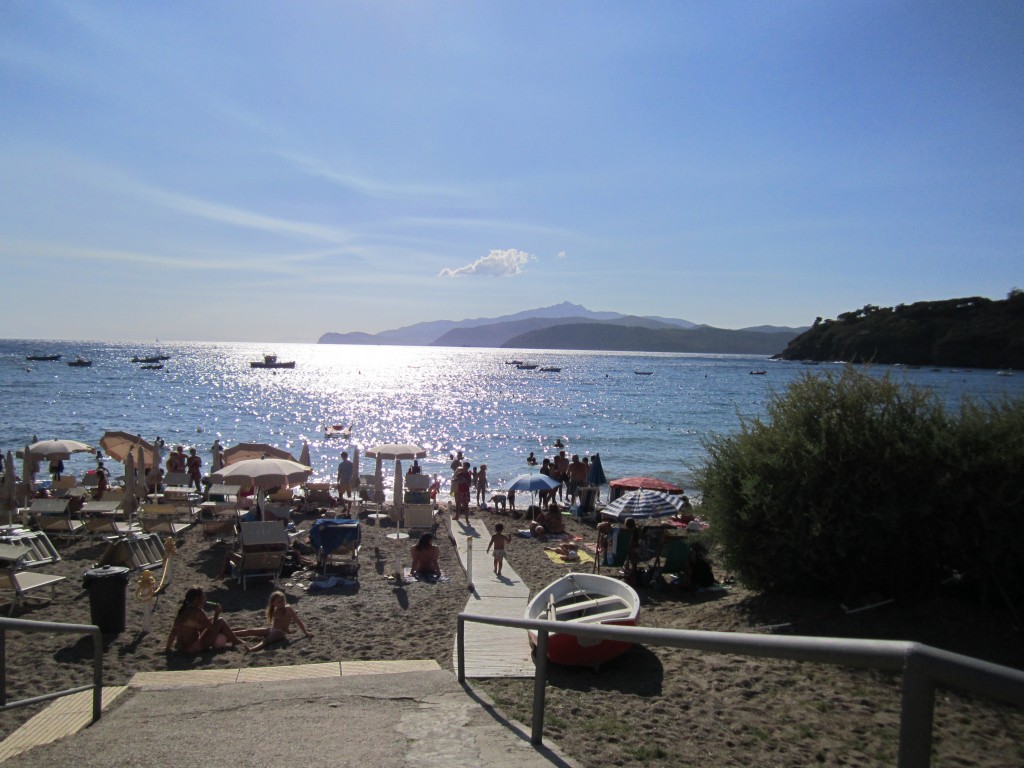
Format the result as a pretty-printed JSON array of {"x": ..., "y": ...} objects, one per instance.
[
  {"x": 571, "y": 326},
  {"x": 963, "y": 333}
]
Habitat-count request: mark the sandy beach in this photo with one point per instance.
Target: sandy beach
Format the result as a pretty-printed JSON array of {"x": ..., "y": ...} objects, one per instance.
[{"x": 653, "y": 706}]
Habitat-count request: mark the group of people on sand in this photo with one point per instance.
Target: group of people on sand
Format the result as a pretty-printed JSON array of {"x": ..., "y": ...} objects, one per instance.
[{"x": 194, "y": 631}]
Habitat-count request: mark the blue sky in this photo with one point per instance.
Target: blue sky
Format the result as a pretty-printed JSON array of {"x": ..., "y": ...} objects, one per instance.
[{"x": 273, "y": 171}]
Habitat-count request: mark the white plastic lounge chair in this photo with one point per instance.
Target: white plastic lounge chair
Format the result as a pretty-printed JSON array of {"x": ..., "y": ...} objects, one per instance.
[{"x": 20, "y": 582}]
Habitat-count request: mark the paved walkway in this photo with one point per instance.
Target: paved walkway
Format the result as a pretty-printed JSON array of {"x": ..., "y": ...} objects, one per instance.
[
  {"x": 491, "y": 651},
  {"x": 409, "y": 718}
]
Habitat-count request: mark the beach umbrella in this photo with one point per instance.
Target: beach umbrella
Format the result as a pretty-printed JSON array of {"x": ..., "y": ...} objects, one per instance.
[
  {"x": 10, "y": 495},
  {"x": 355, "y": 467},
  {"x": 395, "y": 451},
  {"x": 119, "y": 444},
  {"x": 131, "y": 500},
  {"x": 643, "y": 504},
  {"x": 304, "y": 454},
  {"x": 263, "y": 473},
  {"x": 57, "y": 449},
  {"x": 398, "y": 486},
  {"x": 378, "y": 482},
  {"x": 533, "y": 483},
  {"x": 28, "y": 471},
  {"x": 623, "y": 484},
  {"x": 596, "y": 475},
  {"x": 244, "y": 451}
]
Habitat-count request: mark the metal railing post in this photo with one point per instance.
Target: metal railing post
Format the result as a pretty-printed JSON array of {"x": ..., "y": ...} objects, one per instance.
[
  {"x": 460, "y": 647},
  {"x": 97, "y": 673},
  {"x": 540, "y": 678},
  {"x": 917, "y": 706}
]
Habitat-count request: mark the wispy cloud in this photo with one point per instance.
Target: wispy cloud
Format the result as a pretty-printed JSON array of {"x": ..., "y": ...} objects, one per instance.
[
  {"x": 375, "y": 188},
  {"x": 495, "y": 264}
]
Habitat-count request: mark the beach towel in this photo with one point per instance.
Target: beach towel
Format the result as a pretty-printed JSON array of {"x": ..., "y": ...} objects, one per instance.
[
  {"x": 584, "y": 557},
  {"x": 332, "y": 581},
  {"x": 407, "y": 575}
]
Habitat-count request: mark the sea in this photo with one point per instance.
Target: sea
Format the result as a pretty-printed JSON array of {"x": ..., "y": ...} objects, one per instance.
[{"x": 645, "y": 414}]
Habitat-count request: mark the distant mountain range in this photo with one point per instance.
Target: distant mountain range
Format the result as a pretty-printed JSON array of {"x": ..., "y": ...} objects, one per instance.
[{"x": 570, "y": 326}]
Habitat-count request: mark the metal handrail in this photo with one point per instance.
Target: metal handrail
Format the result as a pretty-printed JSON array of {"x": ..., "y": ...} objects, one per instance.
[
  {"x": 24, "y": 625},
  {"x": 924, "y": 668}
]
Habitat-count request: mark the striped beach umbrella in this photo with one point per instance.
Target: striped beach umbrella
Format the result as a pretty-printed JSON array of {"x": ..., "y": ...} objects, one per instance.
[{"x": 644, "y": 504}]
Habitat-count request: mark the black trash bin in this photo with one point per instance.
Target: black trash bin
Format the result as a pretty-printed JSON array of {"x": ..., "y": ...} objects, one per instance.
[{"x": 107, "y": 587}]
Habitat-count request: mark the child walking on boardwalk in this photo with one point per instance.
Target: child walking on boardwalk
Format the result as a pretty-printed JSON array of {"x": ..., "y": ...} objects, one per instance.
[
  {"x": 280, "y": 617},
  {"x": 499, "y": 541}
]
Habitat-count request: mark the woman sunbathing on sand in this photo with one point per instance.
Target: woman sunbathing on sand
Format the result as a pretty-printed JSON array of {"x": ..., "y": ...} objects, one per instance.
[
  {"x": 194, "y": 632},
  {"x": 424, "y": 557},
  {"x": 280, "y": 617},
  {"x": 568, "y": 552}
]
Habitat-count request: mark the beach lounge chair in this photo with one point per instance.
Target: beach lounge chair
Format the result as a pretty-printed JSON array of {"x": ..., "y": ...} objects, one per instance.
[
  {"x": 176, "y": 479},
  {"x": 319, "y": 495},
  {"x": 19, "y": 582},
  {"x": 53, "y": 516},
  {"x": 262, "y": 549},
  {"x": 66, "y": 483},
  {"x": 139, "y": 551},
  {"x": 165, "y": 518},
  {"x": 419, "y": 517},
  {"x": 336, "y": 541},
  {"x": 673, "y": 555},
  {"x": 37, "y": 547},
  {"x": 259, "y": 565}
]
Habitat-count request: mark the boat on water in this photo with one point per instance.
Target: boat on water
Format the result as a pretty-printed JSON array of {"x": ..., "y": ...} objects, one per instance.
[
  {"x": 79, "y": 362},
  {"x": 513, "y": 362},
  {"x": 271, "y": 361},
  {"x": 42, "y": 358},
  {"x": 551, "y": 369},
  {"x": 759, "y": 373},
  {"x": 526, "y": 366},
  {"x": 338, "y": 430},
  {"x": 590, "y": 599},
  {"x": 151, "y": 367},
  {"x": 151, "y": 359},
  {"x": 644, "y": 373}
]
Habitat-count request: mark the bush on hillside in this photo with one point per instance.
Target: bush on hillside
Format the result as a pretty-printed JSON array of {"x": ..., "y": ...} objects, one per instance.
[{"x": 854, "y": 485}]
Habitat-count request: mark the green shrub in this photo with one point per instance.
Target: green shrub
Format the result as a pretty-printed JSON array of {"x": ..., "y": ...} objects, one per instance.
[{"x": 854, "y": 485}]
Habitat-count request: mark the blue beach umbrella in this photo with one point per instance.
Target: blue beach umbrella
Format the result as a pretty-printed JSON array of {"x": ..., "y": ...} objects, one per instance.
[
  {"x": 533, "y": 483},
  {"x": 596, "y": 474},
  {"x": 643, "y": 504}
]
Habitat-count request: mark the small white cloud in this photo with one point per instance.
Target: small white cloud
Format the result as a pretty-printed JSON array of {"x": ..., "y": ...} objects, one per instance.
[
  {"x": 495, "y": 264},
  {"x": 561, "y": 255}
]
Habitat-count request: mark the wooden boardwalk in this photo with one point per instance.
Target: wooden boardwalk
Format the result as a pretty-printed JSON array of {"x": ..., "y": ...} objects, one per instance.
[{"x": 491, "y": 651}]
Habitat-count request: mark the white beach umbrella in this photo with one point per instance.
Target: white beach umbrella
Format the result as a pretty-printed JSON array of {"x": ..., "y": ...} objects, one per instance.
[
  {"x": 244, "y": 451},
  {"x": 396, "y": 451},
  {"x": 263, "y": 473},
  {"x": 10, "y": 495},
  {"x": 378, "y": 482},
  {"x": 57, "y": 449}
]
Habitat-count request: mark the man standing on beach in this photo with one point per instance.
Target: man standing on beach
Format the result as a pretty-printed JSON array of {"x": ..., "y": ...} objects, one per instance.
[{"x": 344, "y": 482}]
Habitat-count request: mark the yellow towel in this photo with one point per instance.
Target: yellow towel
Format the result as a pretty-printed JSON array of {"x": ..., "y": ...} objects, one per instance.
[{"x": 554, "y": 557}]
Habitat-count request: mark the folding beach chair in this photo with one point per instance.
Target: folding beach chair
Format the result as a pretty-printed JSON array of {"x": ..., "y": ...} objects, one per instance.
[
  {"x": 336, "y": 540},
  {"x": 19, "y": 582}
]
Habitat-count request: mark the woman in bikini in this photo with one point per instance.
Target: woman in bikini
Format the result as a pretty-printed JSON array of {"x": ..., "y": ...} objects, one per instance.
[
  {"x": 194, "y": 632},
  {"x": 280, "y": 617}
]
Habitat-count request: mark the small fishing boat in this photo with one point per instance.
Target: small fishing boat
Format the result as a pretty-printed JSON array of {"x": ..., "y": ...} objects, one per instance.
[
  {"x": 1004, "y": 373},
  {"x": 644, "y": 373},
  {"x": 41, "y": 358},
  {"x": 79, "y": 362},
  {"x": 526, "y": 366},
  {"x": 584, "y": 598},
  {"x": 551, "y": 369},
  {"x": 151, "y": 367},
  {"x": 759, "y": 373},
  {"x": 513, "y": 362},
  {"x": 338, "y": 430},
  {"x": 271, "y": 361},
  {"x": 151, "y": 359}
]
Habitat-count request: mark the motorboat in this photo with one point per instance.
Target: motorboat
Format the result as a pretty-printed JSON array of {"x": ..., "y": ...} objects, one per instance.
[
  {"x": 152, "y": 359},
  {"x": 151, "y": 367},
  {"x": 551, "y": 369},
  {"x": 526, "y": 366},
  {"x": 644, "y": 373},
  {"x": 79, "y": 362},
  {"x": 271, "y": 361},
  {"x": 589, "y": 599},
  {"x": 513, "y": 362},
  {"x": 338, "y": 430},
  {"x": 759, "y": 373},
  {"x": 43, "y": 358}
]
